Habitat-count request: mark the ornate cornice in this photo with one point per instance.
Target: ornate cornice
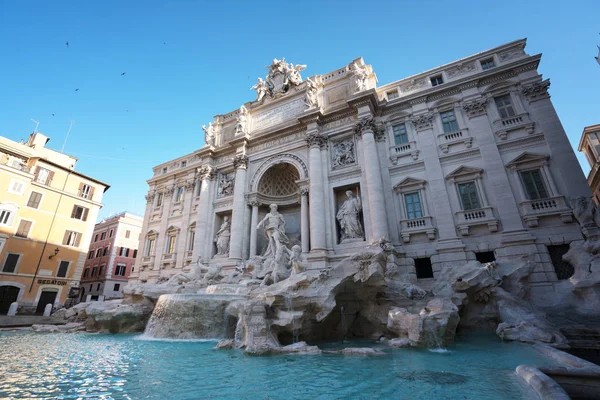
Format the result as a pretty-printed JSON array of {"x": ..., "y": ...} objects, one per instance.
[
  {"x": 536, "y": 91},
  {"x": 304, "y": 191},
  {"x": 475, "y": 108},
  {"x": 423, "y": 121},
  {"x": 240, "y": 161},
  {"x": 316, "y": 140}
]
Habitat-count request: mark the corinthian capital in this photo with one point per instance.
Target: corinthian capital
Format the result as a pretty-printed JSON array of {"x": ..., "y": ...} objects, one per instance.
[
  {"x": 316, "y": 140},
  {"x": 207, "y": 173},
  {"x": 240, "y": 161},
  {"x": 536, "y": 91},
  {"x": 367, "y": 124},
  {"x": 423, "y": 121},
  {"x": 475, "y": 108}
]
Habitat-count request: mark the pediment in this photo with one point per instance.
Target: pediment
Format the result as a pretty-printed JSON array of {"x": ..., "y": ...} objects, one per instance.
[
  {"x": 409, "y": 182},
  {"x": 172, "y": 228},
  {"x": 152, "y": 232},
  {"x": 464, "y": 171},
  {"x": 527, "y": 157}
]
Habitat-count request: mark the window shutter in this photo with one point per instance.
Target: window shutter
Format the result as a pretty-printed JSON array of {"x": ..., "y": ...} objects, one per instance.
[
  {"x": 74, "y": 211},
  {"x": 50, "y": 176},
  {"x": 80, "y": 190},
  {"x": 85, "y": 214},
  {"x": 66, "y": 238},
  {"x": 37, "y": 172},
  {"x": 77, "y": 239},
  {"x": 91, "y": 195},
  {"x": 24, "y": 227}
]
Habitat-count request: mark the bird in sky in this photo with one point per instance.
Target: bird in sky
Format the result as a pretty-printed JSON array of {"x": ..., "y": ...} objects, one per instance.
[
  {"x": 123, "y": 73},
  {"x": 76, "y": 90},
  {"x": 67, "y": 44},
  {"x": 53, "y": 115},
  {"x": 164, "y": 42}
]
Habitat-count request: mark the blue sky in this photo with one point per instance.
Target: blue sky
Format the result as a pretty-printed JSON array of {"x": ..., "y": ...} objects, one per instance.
[{"x": 186, "y": 61}]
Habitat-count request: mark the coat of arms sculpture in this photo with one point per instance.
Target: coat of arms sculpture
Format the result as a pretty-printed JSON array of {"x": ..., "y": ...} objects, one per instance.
[{"x": 280, "y": 79}]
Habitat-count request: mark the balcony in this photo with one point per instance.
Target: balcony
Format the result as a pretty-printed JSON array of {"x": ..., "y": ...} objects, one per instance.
[
  {"x": 403, "y": 150},
  {"x": 188, "y": 254},
  {"x": 147, "y": 259},
  {"x": 534, "y": 209},
  {"x": 169, "y": 256},
  {"x": 14, "y": 164},
  {"x": 479, "y": 216},
  {"x": 505, "y": 125},
  {"x": 448, "y": 139},
  {"x": 423, "y": 225}
]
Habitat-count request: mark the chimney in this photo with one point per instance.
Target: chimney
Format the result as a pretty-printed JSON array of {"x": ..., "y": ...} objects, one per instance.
[{"x": 37, "y": 140}]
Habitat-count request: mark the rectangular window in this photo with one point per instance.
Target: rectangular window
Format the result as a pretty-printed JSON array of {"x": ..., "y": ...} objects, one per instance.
[
  {"x": 120, "y": 270},
  {"x": 98, "y": 287},
  {"x": 413, "y": 205},
  {"x": 110, "y": 233},
  {"x": 72, "y": 238},
  {"x": 124, "y": 252},
  {"x": 159, "y": 198},
  {"x": 91, "y": 255},
  {"x": 134, "y": 253},
  {"x": 86, "y": 272},
  {"x": 94, "y": 271},
  {"x": 127, "y": 234},
  {"x": 62, "y": 269},
  {"x": 488, "y": 63},
  {"x": 101, "y": 270},
  {"x": 504, "y": 105},
  {"x": 179, "y": 195},
  {"x": 16, "y": 187},
  {"x": 96, "y": 238},
  {"x": 79, "y": 213},
  {"x": 105, "y": 252},
  {"x": 5, "y": 217},
  {"x": 392, "y": 95},
  {"x": 103, "y": 236},
  {"x": 183, "y": 164},
  {"x": 198, "y": 188},
  {"x": 423, "y": 268},
  {"x": 164, "y": 170},
  {"x": 534, "y": 184},
  {"x": 469, "y": 196},
  {"x": 86, "y": 191},
  {"x": 437, "y": 80},
  {"x": 563, "y": 269},
  {"x": 43, "y": 176},
  {"x": 150, "y": 247},
  {"x": 117, "y": 287},
  {"x": 98, "y": 253},
  {"x": 400, "y": 135},
  {"x": 11, "y": 262},
  {"x": 171, "y": 244},
  {"x": 34, "y": 200},
  {"x": 449, "y": 121},
  {"x": 23, "y": 230},
  {"x": 192, "y": 238}
]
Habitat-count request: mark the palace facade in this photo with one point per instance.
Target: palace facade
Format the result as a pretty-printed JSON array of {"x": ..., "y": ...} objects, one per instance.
[{"x": 465, "y": 161}]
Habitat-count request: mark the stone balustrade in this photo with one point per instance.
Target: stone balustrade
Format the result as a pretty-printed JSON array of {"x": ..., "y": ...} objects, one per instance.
[
  {"x": 505, "y": 125},
  {"x": 403, "y": 150},
  {"x": 534, "y": 209},
  {"x": 423, "y": 225},
  {"x": 479, "y": 216},
  {"x": 459, "y": 136}
]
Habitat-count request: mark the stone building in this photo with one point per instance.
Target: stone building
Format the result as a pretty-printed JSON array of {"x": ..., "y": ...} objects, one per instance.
[
  {"x": 590, "y": 146},
  {"x": 47, "y": 215},
  {"x": 465, "y": 161},
  {"x": 111, "y": 257}
]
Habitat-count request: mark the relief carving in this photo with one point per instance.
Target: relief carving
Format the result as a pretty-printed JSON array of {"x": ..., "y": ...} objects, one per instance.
[{"x": 343, "y": 154}]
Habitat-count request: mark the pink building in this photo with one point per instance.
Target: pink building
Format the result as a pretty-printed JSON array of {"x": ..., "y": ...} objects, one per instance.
[{"x": 111, "y": 257}]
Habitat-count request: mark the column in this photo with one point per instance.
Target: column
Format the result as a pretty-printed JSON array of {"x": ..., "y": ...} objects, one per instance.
[
  {"x": 317, "y": 201},
  {"x": 159, "y": 244},
  {"x": 377, "y": 210},
  {"x": 240, "y": 163},
  {"x": 183, "y": 235},
  {"x": 253, "y": 230},
  {"x": 304, "y": 220},
  {"x": 207, "y": 177}
]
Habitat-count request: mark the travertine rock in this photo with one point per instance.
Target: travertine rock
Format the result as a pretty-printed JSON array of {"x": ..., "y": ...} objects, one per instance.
[{"x": 115, "y": 316}]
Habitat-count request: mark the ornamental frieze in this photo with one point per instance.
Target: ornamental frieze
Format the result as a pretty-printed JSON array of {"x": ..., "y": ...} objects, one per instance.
[{"x": 423, "y": 121}]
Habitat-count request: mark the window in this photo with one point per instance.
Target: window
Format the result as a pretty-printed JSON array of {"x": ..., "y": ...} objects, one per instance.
[
  {"x": 110, "y": 233},
  {"x": 488, "y": 63},
  {"x": 94, "y": 271},
  {"x": 34, "y": 200},
  {"x": 468, "y": 195},
  {"x": 423, "y": 268},
  {"x": 5, "y": 217},
  {"x": 16, "y": 187},
  {"x": 117, "y": 287},
  {"x": 392, "y": 95},
  {"x": 105, "y": 252},
  {"x": 400, "y": 135},
  {"x": 10, "y": 264},
  {"x": 485, "y": 257},
  {"x": 132, "y": 268},
  {"x": 43, "y": 176},
  {"x": 198, "y": 188},
  {"x": 103, "y": 236},
  {"x": 120, "y": 270},
  {"x": 449, "y": 122},
  {"x": 159, "y": 198},
  {"x": 171, "y": 239},
  {"x": 504, "y": 105},
  {"x": 62, "y": 269},
  {"x": 134, "y": 253},
  {"x": 436, "y": 80},
  {"x": 98, "y": 253},
  {"x": 191, "y": 240},
  {"x": 563, "y": 269},
  {"x": 101, "y": 270},
  {"x": 96, "y": 238},
  {"x": 79, "y": 213},
  {"x": 127, "y": 234},
  {"x": 124, "y": 252},
  {"x": 150, "y": 246},
  {"x": 413, "y": 205},
  {"x": 91, "y": 255},
  {"x": 86, "y": 272},
  {"x": 164, "y": 170},
  {"x": 179, "y": 194},
  {"x": 24, "y": 227},
  {"x": 86, "y": 191},
  {"x": 72, "y": 238},
  {"x": 98, "y": 287},
  {"x": 183, "y": 164},
  {"x": 534, "y": 184}
]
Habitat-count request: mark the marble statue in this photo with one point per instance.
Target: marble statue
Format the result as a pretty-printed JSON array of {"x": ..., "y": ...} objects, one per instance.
[
  {"x": 225, "y": 185},
  {"x": 209, "y": 134},
  {"x": 349, "y": 219},
  {"x": 262, "y": 89},
  {"x": 274, "y": 226},
  {"x": 242, "y": 118},
  {"x": 343, "y": 154},
  {"x": 296, "y": 260},
  {"x": 311, "y": 99},
  {"x": 222, "y": 237},
  {"x": 360, "y": 75},
  {"x": 293, "y": 73},
  {"x": 212, "y": 275},
  {"x": 194, "y": 275}
]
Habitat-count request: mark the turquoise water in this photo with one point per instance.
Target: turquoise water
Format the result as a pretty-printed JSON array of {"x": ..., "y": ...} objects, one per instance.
[{"x": 70, "y": 366}]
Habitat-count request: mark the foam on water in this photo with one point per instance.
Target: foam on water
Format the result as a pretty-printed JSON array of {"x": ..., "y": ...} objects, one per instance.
[{"x": 148, "y": 338}]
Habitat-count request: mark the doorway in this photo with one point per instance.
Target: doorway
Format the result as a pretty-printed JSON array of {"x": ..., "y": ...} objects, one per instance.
[
  {"x": 8, "y": 295},
  {"x": 46, "y": 297}
]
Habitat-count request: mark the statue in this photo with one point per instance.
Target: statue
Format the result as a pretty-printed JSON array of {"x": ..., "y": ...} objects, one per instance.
[
  {"x": 212, "y": 275},
  {"x": 310, "y": 98},
  {"x": 194, "y": 275},
  {"x": 349, "y": 219},
  {"x": 261, "y": 88},
  {"x": 296, "y": 260},
  {"x": 222, "y": 237},
  {"x": 274, "y": 226},
  {"x": 360, "y": 75},
  {"x": 209, "y": 134},
  {"x": 240, "y": 126},
  {"x": 343, "y": 154},
  {"x": 293, "y": 73}
]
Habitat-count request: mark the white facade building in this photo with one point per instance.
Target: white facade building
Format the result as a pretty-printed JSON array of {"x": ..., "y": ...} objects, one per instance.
[{"x": 468, "y": 160}]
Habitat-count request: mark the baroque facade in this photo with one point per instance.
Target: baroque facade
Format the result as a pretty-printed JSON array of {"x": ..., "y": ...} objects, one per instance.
[{"x": 465, "y": 161}]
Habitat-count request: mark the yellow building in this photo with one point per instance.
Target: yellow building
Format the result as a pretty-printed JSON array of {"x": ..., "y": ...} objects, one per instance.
[{"x": 47, "y": 217}]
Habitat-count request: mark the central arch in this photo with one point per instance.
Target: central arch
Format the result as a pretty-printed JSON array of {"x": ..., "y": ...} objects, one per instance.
[{"x": 291, "y": 159}]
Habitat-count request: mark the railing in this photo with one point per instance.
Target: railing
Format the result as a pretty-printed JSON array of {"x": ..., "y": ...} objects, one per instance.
[
  {"x": 475, "y": 216},
  {"x": 147, "y": 259},
  {"x": 417, "y": 225},
  {"x": 189, "y": 253},
  {"x": 504, "y": 125},
  {"x": 545, "y": 206},
  {"x": 335, "y": 74},
  {"x": 454, "y": 135},
  {"x": 169, "y": 256},
  {"x": 403, "y": 148}
]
